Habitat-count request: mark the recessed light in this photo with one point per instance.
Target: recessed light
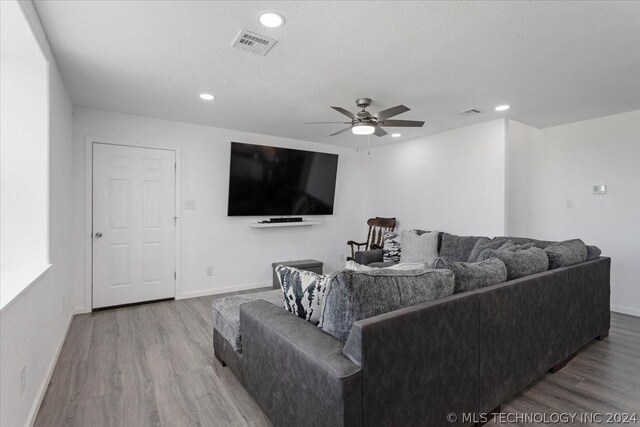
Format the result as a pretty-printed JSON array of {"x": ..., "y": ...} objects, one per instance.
[
  {"x": 396, "y": 135},
  {"x": 271, "y": 19},
  {"x": 207, "y": 96},
  {"x": 502, "y": 108}
]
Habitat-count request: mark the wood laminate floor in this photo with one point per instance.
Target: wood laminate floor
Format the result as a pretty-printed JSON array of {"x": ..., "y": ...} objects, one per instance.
[{"x": 153, "y": 364}]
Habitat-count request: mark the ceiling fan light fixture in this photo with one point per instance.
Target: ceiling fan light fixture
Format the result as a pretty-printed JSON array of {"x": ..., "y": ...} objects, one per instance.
[{"x": 363, "y": 129}]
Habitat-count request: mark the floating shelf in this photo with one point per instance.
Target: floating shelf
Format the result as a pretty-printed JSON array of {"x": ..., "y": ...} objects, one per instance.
[{"x": 283, "y": 224}]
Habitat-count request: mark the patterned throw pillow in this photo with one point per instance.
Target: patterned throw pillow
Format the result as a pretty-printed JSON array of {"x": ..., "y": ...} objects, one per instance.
[
  {"x": 303, "y": 292},
  {"x": 391, "y": 248}
]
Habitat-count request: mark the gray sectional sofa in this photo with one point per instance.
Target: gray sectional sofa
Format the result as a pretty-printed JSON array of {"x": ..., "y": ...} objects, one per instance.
[{"x": 463, "y": 354}]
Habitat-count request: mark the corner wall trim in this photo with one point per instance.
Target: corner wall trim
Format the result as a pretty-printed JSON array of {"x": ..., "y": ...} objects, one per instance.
[
  {"x": 625, "y": 310},
  {"x": 42, "y": 390}
]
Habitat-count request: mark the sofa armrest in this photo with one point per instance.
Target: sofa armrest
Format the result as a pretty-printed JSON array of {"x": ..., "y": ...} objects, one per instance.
[
  {"x": 421, "y": 361},
  {"x": 295, "y": 371},
  {"x": 367, "y": 257}
]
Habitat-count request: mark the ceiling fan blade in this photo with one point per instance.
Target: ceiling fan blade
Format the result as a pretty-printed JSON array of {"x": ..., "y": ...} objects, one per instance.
[
  {"x": 393, "y": 111},
  {"x": 403, "y": 123},
  {"x": 345, "y": 112},
  {"x": 379, "y": 131},
  {"x": 340, "y": 131},
  {"x": 326, "y": 123}
]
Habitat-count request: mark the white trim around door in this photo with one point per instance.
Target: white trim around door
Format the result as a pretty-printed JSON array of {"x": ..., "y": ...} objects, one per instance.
[{"x": 88, "y": 231}]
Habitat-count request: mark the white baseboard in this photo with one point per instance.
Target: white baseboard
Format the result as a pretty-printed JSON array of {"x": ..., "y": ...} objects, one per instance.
[
  {"x": 625, "y": 310},
  {"x": 222, "y": 290},
  {"x": 81, "y": 310},
  {"x": 35, "y": 407}
]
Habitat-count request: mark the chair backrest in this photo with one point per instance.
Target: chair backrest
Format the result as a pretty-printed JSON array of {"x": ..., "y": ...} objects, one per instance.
[{"x": 377, "y": 227}]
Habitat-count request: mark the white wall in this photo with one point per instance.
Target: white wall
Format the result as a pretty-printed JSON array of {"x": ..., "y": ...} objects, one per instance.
[
  {"x": 452, "y": 181},
  {"x": 241, "y": 256},
  {"x": 33, "y": 326},
  {"x": 552, "y": 168}
]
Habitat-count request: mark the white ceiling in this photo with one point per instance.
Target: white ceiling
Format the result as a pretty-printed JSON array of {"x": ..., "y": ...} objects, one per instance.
[{"x": 553, "y": 62}]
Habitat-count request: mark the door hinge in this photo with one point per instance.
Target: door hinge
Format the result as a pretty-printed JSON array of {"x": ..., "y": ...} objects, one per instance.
[
  {"x": 175, "y": 220},
  {"x": 175, "y": 275},
  {"x": 175, "y": 166}
]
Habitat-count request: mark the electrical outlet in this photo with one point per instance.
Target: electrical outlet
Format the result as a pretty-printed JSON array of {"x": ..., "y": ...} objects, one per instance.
[
  {"x": 209, "y": 271},
  {"x": 23, "y": 378},
  {"x": 569, "y": 203}
]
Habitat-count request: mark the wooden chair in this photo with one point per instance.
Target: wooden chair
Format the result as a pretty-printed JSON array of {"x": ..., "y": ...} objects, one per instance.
[{"x": 377, "y": 227}]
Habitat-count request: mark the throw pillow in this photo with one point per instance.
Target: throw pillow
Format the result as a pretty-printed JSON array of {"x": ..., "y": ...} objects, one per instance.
[
  {"x": 482, "y": 244},
  {"x": 391, "y": 247},
  {"x": 303, "y": 292},
  {"x": 355, "y": 295},
  {"x": 474, "y": 275},
  {"x": 566, "y": 253},
  {"x": 457, "y": 248},
  {"x": 520, "y": 263},
  {"x": 419, "y": 248},
  {"x": 593, "y": 252}
]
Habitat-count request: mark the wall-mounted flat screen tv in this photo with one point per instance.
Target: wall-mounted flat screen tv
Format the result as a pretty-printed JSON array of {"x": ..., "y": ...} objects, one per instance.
[{"x": 280, "y": 181}]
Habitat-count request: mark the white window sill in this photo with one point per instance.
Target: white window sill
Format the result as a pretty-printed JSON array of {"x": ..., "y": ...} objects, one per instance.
[{"x": 15, "y": 282}]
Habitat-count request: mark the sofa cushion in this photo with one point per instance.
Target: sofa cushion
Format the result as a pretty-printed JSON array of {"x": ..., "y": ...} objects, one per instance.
[
  {"x": 593, "y": 252},
  {"x": 354, "y": 266},
  {"x": 482, "y": 244},
  {"x": 541, "y": 244},
  {"x": 457, "y": 248},
  {"x": 566, "y": 253},
  {"x": 382, "y": 264},
  {"x": 303, "y": 292},
  {"x": 353, "y": 296},
  {"x": 519, "y": 263},
  {"x": 391, "y": 247},
  {"x": 418, "y": 247},
  {"x": 368, "y": 257},
  {"x": 509, "y": 246},
  {"x": 474, "y": 275},
  {"x": 226, "y": 314}
]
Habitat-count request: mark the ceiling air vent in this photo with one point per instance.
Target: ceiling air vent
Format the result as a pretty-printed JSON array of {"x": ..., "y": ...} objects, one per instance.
[
  {"x": 256, "y": 43},
  {"x": 470, "y": 112}
]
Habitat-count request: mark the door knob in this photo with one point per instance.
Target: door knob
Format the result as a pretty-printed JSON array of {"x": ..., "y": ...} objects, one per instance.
[{"x": 98, "y": 235}]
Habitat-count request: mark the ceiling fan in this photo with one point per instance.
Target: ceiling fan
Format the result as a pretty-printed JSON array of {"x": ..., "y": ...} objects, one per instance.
[{"x": 365, "y": 123}]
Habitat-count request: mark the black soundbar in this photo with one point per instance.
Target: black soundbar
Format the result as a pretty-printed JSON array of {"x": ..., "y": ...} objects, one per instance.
[{"x": 289, "y": 219}]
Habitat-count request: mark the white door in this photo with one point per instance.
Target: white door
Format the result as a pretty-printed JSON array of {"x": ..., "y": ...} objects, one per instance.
[{"x": 133, "y": 224}]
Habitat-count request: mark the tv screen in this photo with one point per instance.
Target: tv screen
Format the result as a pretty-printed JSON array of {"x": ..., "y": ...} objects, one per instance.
[{"x": 280, "y": 181}]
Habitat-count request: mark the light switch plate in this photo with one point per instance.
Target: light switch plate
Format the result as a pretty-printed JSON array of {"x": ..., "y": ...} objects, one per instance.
[
  {"x": 190, "y": 205},
  {"x": 599, "y": 189}
]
